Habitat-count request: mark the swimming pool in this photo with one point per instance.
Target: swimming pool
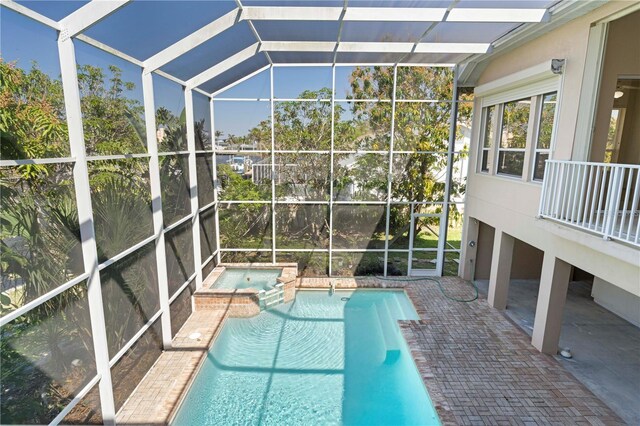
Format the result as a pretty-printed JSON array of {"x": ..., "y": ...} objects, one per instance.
[
  {"x": 321, "y": 359},
  {"x": 243, "y": 278}
]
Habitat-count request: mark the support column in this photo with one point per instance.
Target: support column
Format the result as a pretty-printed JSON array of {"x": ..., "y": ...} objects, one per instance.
[
  {"x": 468, "y": 256},
  {"x": 446, "y": 208},
  {"x": 500, "y": 270},
  {"x": 216, "y": 185},
  {"x": 193, "y": 182},
  {"x": 389, "y": 179},
  {"x": 69, "y": 74},
  {"x": 554, "y": 283},
  {"x": 156, "y": 206}
]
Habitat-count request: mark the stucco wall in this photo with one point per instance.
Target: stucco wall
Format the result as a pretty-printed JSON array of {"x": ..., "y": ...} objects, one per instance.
[
  {"x": 527, "y": 261},
  {"x": 486, "y": 235},
  {"x": 511, "y": 205},
  {"x": 616, "y": 300},
  {"x": 622, "y": 58}
]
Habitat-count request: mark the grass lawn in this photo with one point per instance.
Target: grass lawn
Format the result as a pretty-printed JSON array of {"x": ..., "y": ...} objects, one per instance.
[{"x": 349, "y": 263}]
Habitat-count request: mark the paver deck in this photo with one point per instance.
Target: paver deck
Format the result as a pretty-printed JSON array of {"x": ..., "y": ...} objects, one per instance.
[
  {"x": 160, "y": 392},
  {"x": 478, "y": 367}
]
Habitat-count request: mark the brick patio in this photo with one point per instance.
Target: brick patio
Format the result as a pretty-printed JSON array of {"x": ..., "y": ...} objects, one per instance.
[
  {"x": 478, "y": 366},
  {"x": 162, "y": 389}
]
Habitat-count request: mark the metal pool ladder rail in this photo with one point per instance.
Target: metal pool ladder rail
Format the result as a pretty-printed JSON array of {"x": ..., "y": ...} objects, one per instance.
[{"x": 272, "y": 297}]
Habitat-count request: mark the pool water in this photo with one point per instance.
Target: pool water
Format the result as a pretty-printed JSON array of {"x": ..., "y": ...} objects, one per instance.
[
  {"x": 320, "y": 359},
  {"x": 259, "y": 279}
]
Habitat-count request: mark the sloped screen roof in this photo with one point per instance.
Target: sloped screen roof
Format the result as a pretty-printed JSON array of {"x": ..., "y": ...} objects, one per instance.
[{"x": 211, "y": 44}]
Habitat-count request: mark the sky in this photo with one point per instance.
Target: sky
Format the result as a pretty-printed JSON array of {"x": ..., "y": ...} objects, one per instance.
[{"x": 24, "y": 41}]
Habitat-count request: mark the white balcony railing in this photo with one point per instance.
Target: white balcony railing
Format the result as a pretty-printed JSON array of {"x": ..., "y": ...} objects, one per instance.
[
  {"x": 598, "y": 197},
  {"x": 261, "y": 172}
]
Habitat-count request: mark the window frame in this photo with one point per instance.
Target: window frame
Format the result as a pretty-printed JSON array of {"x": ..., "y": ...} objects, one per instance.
[
  {"x": 535, "y": 149},
  {"x": 513, "y": 89},
  {"x": 617, "y": 137},
  {"x": 498, "y": 139},
  {"x": 483, "y": 138}
]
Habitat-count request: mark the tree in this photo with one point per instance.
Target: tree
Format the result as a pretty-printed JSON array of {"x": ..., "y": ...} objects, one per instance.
[
  {"x": 32, "y": 117},
  {"x": 113, "y": 123},
  {"x": 421, "y": 129},
  {"x": 419, "y": 126},
  {"x": 39, "y": 229},
  {"x": 304, "y": 125}
]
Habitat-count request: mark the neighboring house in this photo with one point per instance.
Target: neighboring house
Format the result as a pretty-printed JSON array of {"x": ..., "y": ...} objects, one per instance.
[{"x": 568, "y": 93}]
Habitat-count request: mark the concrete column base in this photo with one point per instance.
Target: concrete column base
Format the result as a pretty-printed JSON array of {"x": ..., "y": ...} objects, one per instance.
[
  {"x": 552, "y": 295},
  {"x": 500, "y": 270}
]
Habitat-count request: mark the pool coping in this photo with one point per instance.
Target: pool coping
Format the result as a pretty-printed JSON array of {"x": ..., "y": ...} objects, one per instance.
[
  {"x": 180, "y": 344},
  {"x": 174, "y": 411}
]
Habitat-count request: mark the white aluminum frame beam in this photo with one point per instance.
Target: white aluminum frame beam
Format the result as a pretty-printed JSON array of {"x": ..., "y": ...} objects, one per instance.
[
  {"x": 88, "y": 15},
  {"x": 214, "y": 162},
  {"x": 462, "y": 14},
  {"x": 192, "y": 41},
  {"x": 452, "y": 48},
  {"x": 375, "y": 47},
  {"x": 69, "y": 76},
  {"x": 261, "y": 13},
  {"x": 273, "y": 166},
  {"x": 399, "y": 14},
  {"x": 312, "y": 46},
  {"x": 386, "y": 14},
  {"x": 156, "y": 206},
  {"x": 223, "y": 66},
  {"x": 395, "y": 14},
  {"x": 446, "y": 207},
  {"x": 298, "y": 46},
  {"x": 193, "y": 183},
  {"x": 392, "y": 135}
]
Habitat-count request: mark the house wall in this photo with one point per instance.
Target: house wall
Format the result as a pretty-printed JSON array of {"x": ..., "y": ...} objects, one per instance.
[
  {"x": 630, "y": 142},
  {"x": 622, "y": 58},
  {"x": 527, "y": 261},
  {"x": 511, "y": 205},
  {"x": 616, "y": 300},
  {"x": 486, "y": 234}
]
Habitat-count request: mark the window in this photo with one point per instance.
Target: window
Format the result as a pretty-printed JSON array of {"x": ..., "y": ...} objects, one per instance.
[
  {"x": 614, "y": 135},
  {"x": 487, "y": 138},
  {"x": 517, "y": 130},
  {"x": 513, "y": 137},
  {"x": 545, "y": 132}
]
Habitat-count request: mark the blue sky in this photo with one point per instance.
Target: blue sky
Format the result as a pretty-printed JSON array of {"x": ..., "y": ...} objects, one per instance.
[{"x": 24, "y": 41}]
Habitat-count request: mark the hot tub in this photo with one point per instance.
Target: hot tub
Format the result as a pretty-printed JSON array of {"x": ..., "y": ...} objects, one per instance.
[
  {"x": 244, "y": 289},
  {"x": 248, "y": 278}
]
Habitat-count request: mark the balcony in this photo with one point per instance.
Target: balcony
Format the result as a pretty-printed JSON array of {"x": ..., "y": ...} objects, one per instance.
[{"x": 600, "y": 198}]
